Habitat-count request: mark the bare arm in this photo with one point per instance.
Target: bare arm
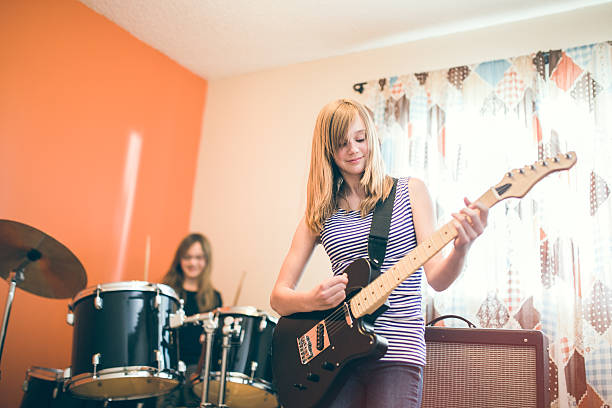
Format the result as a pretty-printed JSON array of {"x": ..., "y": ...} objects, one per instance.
[
  {"x": 470, "y": 222},
  {"x": 284, "y": 298}
]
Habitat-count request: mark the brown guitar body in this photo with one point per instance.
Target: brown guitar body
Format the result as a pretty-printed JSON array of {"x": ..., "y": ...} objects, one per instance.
[{"x": 316, "y": 382}]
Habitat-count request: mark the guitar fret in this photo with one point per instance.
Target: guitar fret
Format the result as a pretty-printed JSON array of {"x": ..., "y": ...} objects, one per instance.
[
  {"x": 437, "y": 240},
  {"x": 388, "y": 276},
  {"x": 378, "y": 287}
]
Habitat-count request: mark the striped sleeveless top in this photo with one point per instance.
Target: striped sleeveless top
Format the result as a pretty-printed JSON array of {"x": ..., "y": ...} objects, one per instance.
[{"x": 345, "y": 239}]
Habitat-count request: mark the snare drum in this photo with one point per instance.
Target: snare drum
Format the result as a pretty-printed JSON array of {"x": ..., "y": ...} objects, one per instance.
[
  {"x": 122, "y": 346},
  {"x": 249, "y": 368}
]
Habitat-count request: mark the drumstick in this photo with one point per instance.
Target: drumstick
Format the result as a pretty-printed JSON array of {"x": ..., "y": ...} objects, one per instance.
[
  {"x": 239, "y": 288},
  {"x": 147, "y": 257}
]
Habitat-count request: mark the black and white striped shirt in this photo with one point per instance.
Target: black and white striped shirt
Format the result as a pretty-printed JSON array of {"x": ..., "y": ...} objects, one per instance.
[{"x": 345, "y": 239}]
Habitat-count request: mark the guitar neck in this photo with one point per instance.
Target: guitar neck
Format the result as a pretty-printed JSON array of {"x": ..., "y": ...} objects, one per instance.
[
  {"x": 374, "y": 295},
  {"x": 515, "y": 183}
]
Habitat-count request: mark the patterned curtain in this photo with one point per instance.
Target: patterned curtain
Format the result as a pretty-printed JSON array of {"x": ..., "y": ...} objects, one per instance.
[{"x": 545, "y": 261}]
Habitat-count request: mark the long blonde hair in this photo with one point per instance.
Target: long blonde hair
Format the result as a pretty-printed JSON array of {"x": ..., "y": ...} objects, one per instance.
[
  {"x": 325, "y": 180},
  {"x": 175, "y": 277}
]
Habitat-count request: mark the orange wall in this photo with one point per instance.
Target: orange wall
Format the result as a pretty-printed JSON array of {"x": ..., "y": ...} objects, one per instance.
[{"x": 75, "y": 89}]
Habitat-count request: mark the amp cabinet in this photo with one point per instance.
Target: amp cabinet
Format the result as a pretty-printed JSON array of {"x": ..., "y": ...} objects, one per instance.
[{"x": 485, "y": 368}]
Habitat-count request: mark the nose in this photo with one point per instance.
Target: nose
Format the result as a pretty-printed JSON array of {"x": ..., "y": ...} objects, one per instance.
[{"x": 352, "y": 145}]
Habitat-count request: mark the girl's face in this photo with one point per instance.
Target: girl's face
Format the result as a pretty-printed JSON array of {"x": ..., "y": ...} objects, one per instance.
[
  {"x": 193, "y": 261},
  {"x": 352, "y": 155}
]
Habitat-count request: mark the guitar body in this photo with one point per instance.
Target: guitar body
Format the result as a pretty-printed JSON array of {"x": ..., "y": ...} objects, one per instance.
[{"x": 313, "y": 380}]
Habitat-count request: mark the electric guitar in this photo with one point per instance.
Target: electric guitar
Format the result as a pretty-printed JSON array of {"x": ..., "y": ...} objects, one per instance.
[{"x": 312, "y": 352}]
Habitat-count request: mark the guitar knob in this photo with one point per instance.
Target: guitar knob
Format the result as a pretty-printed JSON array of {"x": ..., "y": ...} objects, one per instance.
[
  {"x": 328, "y": 366},
  {"x": 312, "y": 377},
  {"x": 299, "y": 387}
]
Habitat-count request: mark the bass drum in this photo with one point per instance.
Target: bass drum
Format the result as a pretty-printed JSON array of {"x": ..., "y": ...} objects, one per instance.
[
  {"x": 249, "y": 367},
  {"x": 123, "y": 347}
]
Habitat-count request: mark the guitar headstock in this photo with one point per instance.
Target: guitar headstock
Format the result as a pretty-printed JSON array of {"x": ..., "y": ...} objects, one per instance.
[{"x": 518, "y": 182}]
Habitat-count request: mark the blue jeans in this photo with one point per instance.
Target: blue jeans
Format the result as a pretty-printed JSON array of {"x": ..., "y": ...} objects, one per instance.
[{"x": 384, "y": 384}]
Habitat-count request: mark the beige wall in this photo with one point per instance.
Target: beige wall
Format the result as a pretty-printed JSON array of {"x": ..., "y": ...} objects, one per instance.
[{"x": 254, "y": 155}]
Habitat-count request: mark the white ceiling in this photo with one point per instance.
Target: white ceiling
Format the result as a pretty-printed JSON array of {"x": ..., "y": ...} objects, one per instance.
[{"x": 222, "y": 38}]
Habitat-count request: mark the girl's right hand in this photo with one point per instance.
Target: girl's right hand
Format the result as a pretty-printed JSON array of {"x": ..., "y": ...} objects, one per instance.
[{"x": 329, "y": 293}]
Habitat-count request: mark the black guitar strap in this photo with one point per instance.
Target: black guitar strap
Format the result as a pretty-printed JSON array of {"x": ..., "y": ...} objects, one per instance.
[{"x": 379, "y": 232}]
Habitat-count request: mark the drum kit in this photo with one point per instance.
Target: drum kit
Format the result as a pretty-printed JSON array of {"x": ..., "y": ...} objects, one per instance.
[{"x": 125, "y": 336}]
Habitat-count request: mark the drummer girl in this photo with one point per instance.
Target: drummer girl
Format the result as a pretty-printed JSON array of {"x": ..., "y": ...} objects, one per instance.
[{"x": 189, "y": 276}]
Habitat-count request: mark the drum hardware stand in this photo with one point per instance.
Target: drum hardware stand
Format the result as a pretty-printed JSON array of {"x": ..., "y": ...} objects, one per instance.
[
  {"x": 210, "y": 325},
  {"x": 231, "y": 328},
  {"x": 17, "y": 276}
]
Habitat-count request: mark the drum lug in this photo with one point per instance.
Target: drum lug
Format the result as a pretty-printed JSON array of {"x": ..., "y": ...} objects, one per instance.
[
  {"x": 182, "y": 367},
  {"x": 160, "y": 360},
  {"x": 157, "y": 297},
  {"x": 98, "y": 299},
  {"x": 67, "y": 375},
  {"x": 70, "y": 318},
  {"x": 254, "y": 365},
  {"x": 263, "y": 323},
  {"x": 95, "y": 360},
  {"x": 178, "y": 319}
]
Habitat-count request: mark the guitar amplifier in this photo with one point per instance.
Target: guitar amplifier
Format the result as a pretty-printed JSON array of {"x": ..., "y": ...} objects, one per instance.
[{"x": 484, "y": 368}]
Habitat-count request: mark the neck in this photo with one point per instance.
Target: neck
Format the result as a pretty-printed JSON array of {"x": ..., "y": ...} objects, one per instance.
[
  {"x": 352, "y": 185},
  {"x": 352, "y": 193},
  {"x": 190, "y": 285}
]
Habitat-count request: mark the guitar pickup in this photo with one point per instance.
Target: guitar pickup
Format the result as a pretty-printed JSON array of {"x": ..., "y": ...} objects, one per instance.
[{"x": 318, "y": 336}]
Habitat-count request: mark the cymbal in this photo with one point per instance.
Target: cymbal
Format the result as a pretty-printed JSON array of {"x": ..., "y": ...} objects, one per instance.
[{"x": 52, "y": 271}]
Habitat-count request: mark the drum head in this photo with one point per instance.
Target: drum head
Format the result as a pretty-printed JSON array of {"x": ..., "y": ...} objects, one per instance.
[
  {"x": 123, "y": 387},
  {"x": 237, "y": 395}
]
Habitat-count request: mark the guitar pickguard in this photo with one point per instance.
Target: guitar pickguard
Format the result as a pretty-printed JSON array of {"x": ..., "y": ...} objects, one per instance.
[{"x": 315, "y": 340}]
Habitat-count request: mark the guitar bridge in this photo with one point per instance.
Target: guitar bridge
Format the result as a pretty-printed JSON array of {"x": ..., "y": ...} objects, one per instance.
[{"x": 313, "y": 342}]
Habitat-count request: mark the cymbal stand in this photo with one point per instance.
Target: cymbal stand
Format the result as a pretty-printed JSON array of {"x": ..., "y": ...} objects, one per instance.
[
  {"x": 17, "y": 276},
  {"x": 210, "y": 325},
  {"x": 231, "y": 328}
]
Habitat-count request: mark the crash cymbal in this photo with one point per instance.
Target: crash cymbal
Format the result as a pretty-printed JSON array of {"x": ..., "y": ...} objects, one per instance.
[{"x": 52, "y": 271}]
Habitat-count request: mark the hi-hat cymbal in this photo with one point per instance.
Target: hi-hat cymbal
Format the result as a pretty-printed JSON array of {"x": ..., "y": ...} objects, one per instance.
[{"x": 57, "y": 274}]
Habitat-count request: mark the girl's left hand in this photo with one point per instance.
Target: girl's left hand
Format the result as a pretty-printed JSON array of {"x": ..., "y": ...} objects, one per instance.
[{"x": 470, "y": 222}]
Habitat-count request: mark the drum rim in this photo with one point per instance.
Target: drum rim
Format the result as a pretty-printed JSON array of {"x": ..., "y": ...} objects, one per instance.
[
  {"x": 126, "y": 286},
  {"x": 54, "y": 374},
  {"x": 246, "y": 380},
  {"x": 242, "y": 378},
  {"x": 245, "y": 310},
  {"x": 120, "y": 372},
  {"x": 136, "y": 369}
]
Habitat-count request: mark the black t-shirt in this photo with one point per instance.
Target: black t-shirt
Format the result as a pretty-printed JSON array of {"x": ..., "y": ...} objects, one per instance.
[{"x": 189, "y": 334}]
